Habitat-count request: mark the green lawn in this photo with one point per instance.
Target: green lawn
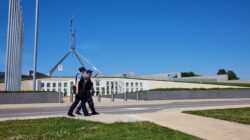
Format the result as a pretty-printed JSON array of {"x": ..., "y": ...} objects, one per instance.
[
  {"x": 239, "y": 115},
  {"x": 65, "y": 128}
]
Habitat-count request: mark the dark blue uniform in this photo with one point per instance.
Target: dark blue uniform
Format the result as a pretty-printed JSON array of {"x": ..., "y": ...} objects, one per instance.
[
  {"x": 81, "y": 96},
  {"x": 88, "y": 97}
]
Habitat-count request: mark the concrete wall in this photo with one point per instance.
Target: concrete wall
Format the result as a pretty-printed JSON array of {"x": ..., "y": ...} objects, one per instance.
[
  {"x": 186, "y": 94},
  {"x": 26, "y": 98},
  {"x": 215, "y": 78},
  {"x": 26, "y": 85}
]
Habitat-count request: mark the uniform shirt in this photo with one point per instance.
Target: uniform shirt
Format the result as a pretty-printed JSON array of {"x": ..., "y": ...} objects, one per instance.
[
  {"x": 79, "y": 76},
  {"x": 80, "y": 83},
  {"x": 89, "y": 87}
]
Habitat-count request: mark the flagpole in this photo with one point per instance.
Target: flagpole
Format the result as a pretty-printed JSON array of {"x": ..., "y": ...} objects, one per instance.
[{"x": 35, "y": 45}]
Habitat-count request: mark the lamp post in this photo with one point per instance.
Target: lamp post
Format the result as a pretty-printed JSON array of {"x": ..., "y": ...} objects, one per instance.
[
  {"x": 35, "y": 45},
  {"x": 60, "y": 69}
]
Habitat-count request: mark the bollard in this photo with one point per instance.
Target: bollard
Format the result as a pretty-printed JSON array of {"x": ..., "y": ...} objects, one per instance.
[
  {"x": 60, "y": 97},
  {"x": 125, "y": 96},
  {"x": 71, "y": 97},
  {"x": 112, "y": 97},
  {"x": 59, "y": 94},
  {"x": 137, "y": 96},
  {"x": 99, "y": 97}
]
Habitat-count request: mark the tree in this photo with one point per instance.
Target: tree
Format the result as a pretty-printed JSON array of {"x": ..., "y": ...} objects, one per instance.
[
  {"x": 188, "y": 74},
  {"x": 232, "y": 75},
  {"x": 221, "y": 72}
]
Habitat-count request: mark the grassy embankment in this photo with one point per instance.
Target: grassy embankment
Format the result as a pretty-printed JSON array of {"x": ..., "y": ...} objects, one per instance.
[{"x": 239, "y": 115}]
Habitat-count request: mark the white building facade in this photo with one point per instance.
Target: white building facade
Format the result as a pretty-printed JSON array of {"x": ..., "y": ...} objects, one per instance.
[{"x": 104, "y": 86}]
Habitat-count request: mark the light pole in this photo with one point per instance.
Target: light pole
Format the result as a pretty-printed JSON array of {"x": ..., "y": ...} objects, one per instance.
[
  {"x": 60, "y": 69},
  {"x": 35, "y": 45}
]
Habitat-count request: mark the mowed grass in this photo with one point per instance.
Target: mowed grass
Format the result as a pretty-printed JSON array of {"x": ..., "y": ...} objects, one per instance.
[
  {"x": 72, "y": 129},
  {"x": 239, "y": 115}
]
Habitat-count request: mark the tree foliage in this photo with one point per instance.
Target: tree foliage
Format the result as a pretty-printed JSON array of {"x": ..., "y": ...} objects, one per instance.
[
  {"x": 231, "y": 74},
  {"x": 221, "y": 72},
  {"x": 188, "y": 74}
]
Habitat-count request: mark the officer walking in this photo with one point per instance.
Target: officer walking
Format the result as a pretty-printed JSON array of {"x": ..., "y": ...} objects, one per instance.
[
  {"x": 81, "y": 86},
  {"x": 90, "y": 92}
]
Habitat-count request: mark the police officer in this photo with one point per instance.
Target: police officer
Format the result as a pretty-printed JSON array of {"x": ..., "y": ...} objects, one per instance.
[
  {"x": 89, "y": 94},
  {"x": 81, "y": 84}
]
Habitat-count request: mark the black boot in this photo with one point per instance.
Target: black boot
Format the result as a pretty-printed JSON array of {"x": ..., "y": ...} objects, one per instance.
[
  {"x": 95, "y": 113},
  {"x": 71, "y": 115},
  {"x": 78, "y": 112},
  {"x": 86, "y": 115}
]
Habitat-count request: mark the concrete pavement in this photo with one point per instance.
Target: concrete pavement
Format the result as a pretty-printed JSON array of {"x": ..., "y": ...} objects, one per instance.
[
  {"x": 203, "y": 127},
  {"x": 108, "y": 102}
]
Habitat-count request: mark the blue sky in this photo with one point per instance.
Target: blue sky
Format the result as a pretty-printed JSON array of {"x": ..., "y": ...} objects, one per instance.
[{"x": 141, "y": 36}]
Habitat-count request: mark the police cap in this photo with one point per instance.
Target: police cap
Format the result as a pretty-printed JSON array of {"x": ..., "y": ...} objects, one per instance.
[
  {"x": 89, "y": 71},
  {"x": 82, "y": 69}
]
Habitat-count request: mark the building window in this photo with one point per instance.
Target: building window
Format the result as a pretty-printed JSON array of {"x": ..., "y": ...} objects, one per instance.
[
  {"x": 107, "y": 90},
  {"x": 59, "y": 84},
  {"x": 141, "y": 84},
  {"x": 112, "y": 85},
  {"x": 136, "y": 84},
  {"x": 65, "y": 84},
  {"x": 54, "y": 84},
  {"x": 97, "y": 89},
  {"x": 103, "y": 90},
  {"x": 97, "y": 83},
  {"x": 48, "y": 84},
  {"x": 107, "y": 83},
  {"x": 42, "y": 85},
  {"x": 127, "y": 84},
  {"x": 131, "y": 84},
  {"x": 71, "y": 83}
]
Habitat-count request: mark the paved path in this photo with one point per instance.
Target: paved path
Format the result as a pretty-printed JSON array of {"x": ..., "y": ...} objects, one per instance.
[
  {"x": 203, "y": 127},
  {"x": 118, "y": 109}
]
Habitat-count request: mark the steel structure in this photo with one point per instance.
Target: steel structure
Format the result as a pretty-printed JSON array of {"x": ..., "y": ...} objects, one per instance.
[
  {"x": 35, "y": 45},
  {"x": 73, "y": 50},
  {"x": 14, "y": 51}
]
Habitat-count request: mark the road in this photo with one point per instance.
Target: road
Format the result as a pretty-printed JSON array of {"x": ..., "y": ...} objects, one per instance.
[{"x": 121, "y": 109}]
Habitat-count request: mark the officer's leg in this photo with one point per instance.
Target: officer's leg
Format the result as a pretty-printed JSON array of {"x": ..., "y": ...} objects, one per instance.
[
  {"x": 73, "y": 106},
  {"x": 91, "y": 104},
  {"x": 84, "y": 109},
  {"x": 78, "y": 109}
]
